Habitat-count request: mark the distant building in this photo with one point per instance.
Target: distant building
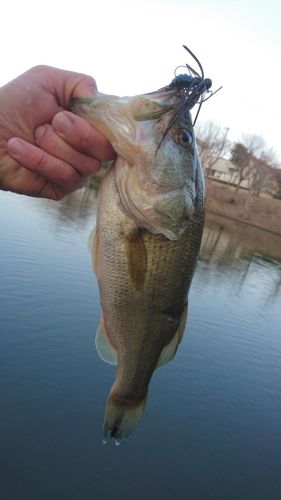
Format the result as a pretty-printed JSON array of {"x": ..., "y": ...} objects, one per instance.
[
  {"x": 225, "y": 171},
  {"x": 260, "y": 173}
]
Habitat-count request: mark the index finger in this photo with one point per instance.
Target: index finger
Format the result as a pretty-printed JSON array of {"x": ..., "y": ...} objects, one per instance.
[{"x": 79, "y": 134}]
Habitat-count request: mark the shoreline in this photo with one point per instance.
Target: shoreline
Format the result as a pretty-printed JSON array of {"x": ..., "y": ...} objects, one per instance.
[
  {"x": 247, "y": 223},
  {"x": 264, "y": 213}
]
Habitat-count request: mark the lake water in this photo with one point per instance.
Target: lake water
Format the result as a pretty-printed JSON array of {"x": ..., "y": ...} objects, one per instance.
[{"x": 212, "y": 424}]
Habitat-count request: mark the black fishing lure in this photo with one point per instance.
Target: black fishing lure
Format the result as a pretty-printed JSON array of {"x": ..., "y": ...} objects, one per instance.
[{"x": 194, "y": 87}]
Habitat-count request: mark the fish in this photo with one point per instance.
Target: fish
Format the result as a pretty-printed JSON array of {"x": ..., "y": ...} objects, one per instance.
[{"x": 145, "y": 247}]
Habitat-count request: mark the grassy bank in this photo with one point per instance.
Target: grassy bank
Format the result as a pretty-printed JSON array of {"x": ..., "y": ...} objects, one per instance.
[{"x": 264, "y": 213}]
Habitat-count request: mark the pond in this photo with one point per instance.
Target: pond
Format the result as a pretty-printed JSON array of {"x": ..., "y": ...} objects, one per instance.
[{"x": 212, "y": 424}]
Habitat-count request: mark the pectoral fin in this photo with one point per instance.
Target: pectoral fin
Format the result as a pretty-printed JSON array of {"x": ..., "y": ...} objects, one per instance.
[
  {"x": 170, "y": 350},
  {"x": 104, "y": 348},
  {"x": 91, "y": 238},
  {"x": 136, "y": 257}
]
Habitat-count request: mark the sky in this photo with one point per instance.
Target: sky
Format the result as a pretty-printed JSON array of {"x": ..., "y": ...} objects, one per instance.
[{"x": 132, "y": 47}]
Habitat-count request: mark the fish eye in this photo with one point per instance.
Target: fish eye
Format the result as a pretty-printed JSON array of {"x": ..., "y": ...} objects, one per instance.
[{"x": 184, "y": 137}]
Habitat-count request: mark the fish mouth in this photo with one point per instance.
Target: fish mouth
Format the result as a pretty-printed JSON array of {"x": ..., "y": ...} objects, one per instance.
[
  {"x": 79, "y": 105},
  {"x": 150, "y": 106},
  {"x": 117, "y": 117}
]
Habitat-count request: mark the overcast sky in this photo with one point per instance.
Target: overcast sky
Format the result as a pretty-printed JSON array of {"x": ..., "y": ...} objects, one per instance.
[{"x": 134, "y": 46}]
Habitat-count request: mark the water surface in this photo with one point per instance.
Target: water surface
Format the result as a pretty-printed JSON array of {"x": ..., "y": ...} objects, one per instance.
[{"x": 212, "y": 425}]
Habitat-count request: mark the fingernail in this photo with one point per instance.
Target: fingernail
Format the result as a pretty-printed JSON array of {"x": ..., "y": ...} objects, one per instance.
[
  {"x": 62, "y": 124},
  {"x": 16, "y": 146}
]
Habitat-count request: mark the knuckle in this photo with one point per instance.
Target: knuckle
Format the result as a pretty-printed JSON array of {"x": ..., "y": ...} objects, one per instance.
[
  {"x": 40, "y": 69},
  {"x": 41, "y": 160}
]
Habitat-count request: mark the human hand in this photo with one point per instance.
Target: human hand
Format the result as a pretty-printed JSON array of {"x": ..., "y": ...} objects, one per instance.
[{"x": 45, "y": 150}]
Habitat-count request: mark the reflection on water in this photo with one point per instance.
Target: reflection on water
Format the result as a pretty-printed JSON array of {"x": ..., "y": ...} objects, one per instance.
[
  {"x": 233, "y": 248},
  {"x": 74, "y": 211},
  {"x": 226, "y": 244},
  {"x": 225, "y": 241},
  {"x": 213, "y": 414},
  {"x": 239, "y": 249}
]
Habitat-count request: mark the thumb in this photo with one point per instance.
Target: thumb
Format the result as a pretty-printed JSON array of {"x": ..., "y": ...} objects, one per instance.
[
  {"x": 86, "y": 86},
  {"x": 68, "y": 85}
]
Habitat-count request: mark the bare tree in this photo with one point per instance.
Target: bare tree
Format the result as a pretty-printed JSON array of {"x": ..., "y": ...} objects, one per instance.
[
  {"x": 212, "y": 144},
  {"x": 254, "y": 161},
  {"x": 255, "y": 144},
  {"x": 261, "y": 176},
  {"x": 277, "y": 183}
]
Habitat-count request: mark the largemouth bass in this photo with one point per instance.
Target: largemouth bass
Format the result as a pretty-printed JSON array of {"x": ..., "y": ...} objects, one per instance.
[{"x": 148, "y": 233}]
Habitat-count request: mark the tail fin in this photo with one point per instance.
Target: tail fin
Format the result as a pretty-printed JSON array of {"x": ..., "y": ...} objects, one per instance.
[{"x": 121, "y": 419}]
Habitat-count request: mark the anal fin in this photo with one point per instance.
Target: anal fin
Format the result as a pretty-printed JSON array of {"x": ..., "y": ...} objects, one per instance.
[
  {"x": 104, "y": 348},
  {"x": 170, "y": 350}
]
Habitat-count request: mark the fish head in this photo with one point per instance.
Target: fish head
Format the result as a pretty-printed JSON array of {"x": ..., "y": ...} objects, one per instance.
[
  {"x": 169, "y": 142},
  {"x": 153, "y": 136}
]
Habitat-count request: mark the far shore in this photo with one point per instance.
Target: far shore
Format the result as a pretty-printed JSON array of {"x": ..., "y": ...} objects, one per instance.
[{"x": 264, "y": 212}]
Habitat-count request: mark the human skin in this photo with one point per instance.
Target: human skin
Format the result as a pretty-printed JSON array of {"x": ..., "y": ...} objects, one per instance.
[{"x": 45, "y": 150}]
